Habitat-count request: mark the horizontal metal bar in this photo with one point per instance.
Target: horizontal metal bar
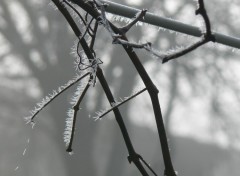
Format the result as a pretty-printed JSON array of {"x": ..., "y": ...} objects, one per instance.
[{"x": 150, "y": 18}]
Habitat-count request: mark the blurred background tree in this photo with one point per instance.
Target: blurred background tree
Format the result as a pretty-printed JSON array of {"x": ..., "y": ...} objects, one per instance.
[{"x": 199, "y": 94}]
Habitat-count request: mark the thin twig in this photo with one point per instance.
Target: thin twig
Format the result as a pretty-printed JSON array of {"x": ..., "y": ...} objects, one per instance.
[
  {"x": 116, "y": 111},
  {"x": 35, "y": 113},
  {"x": 148, "y": 166},
  {"x": 208, "y": 36},
  {"x": 202, "y": 11},
  {"x": 75, "y": 110},
  {"x": 121, "y": 103},
  {"x": 184, "y": 51}
]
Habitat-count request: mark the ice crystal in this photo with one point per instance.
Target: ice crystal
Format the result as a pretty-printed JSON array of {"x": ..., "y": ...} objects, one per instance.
[
  {"x": 99, "y": 114},
  {"x": 78, "y": 92},
  {"x": 68, "y": 126},
  {"x": 120, "y": 19},
  {"x": 28, "y": 119},
  {"x": 45, "y": 101},
  {"x": 71, "y": 113}
]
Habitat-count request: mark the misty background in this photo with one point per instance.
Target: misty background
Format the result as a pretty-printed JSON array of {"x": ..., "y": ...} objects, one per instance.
[{"x": 199, "y": 94}]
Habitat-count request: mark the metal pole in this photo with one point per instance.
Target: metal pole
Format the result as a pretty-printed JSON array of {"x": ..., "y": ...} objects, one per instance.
[{"x": 129, "y": 12}]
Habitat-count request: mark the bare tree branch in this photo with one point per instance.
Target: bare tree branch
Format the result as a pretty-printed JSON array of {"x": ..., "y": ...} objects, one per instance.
[
  {"x": 75, "y": 111},
  {"x": 132, "y": 154},
  {"x": 208, "y": 36},
  {"x": 97, "y": 11},
  {"x": 152, "y": 90}
]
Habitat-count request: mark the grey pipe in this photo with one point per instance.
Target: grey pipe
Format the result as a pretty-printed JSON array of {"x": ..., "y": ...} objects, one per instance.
[{"x": 129, "y": 12}]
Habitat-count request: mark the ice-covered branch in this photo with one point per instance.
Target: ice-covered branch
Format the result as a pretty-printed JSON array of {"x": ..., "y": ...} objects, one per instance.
[
  {"x": 168, "y": 23},
  {"x": 208, "y": 36},
  {"x": 153, "y": 92},
  {"x": 48, "y": 99},
  {"x": 72, "y": 115}
]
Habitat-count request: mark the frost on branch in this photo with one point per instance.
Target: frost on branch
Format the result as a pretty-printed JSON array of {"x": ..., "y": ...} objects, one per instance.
[
  {"x": 48, "y": 99},
  {"x": 68, "y": 126},
  {"x": 72, "y": 112}
]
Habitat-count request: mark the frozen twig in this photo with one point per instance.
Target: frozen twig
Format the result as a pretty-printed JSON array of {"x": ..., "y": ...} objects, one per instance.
[
  {"x": 116, "y": 105},
  {"x": 71, "y": 120},
  {"x": 184, "y": 51},
  {"x": 202, "y": 11},
  {"x": 147, "y": 165},
  {"x": 153, "y": 92},
  {"x": 40, "y": 106},
  {"x": 96, "y": 9},
  {"x": 208, "y": 36}
]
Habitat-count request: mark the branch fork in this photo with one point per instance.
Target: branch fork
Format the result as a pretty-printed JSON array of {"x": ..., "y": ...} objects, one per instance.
[{"x": 207, "y": 37}]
